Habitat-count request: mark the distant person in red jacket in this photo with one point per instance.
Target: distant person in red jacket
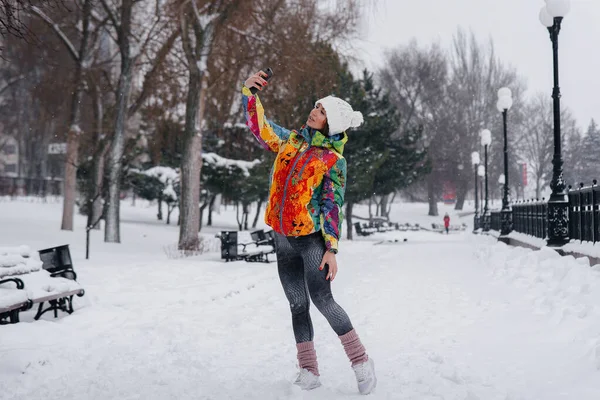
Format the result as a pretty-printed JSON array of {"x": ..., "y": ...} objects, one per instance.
[{"x": 447, "y": 223}]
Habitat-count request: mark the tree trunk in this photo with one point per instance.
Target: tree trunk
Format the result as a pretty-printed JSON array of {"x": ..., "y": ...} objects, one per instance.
[
  {"x": 432, "y": 196},
  {"x": 169, "y": 211},
  {"x": 210, "y": 209},
  {"x": 160, "y": 213},
  {"x": 70, "y": 183},
  {"x": 258, "y": 207},
  {"x": 201, "y": 217},
  {"x": 246, "y": 214},
  {"x": 115, "y": 167},
  {"x": 191, "y": 164},
  {"x": 389, "y": 208},
  {"x": 461, "y": 195},
  {"x": 349, "y": 225},
  {"x": 237, "y": 215},
  {"x": 384, "y": 206},
  {"x": 98, "y": 163}
]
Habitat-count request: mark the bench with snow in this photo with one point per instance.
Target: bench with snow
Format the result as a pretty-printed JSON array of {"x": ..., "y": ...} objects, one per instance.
[
  {"x": 366, "y": 229},
  {"x": 257, "y": 250},
  {"x": 440, "y": 227},
  {"x": 50, "y": 280}
]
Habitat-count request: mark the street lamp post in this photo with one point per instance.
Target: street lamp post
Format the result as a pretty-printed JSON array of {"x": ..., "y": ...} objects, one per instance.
[
  {"x": 475, "y": 161},
  {"x": 481, "y": 174},
  {"x": 504, "y": 104},
  {"x": 486, "y": 140},
  {"x": 551, "y": 16}
]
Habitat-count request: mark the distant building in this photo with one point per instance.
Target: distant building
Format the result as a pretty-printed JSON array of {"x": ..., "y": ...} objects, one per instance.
[{"x": 9, "y": 156}]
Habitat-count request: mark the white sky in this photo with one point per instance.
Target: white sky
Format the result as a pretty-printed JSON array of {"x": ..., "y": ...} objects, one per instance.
[{"x": 520, "y": 40}]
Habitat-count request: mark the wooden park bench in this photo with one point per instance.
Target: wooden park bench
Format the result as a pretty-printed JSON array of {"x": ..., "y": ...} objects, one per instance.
[
  {"x": 364, "y": 229},
  {"x": 50, "y": 281},
  {"x": 440, "y": 227},
  {"x": 257, "y": 250}
]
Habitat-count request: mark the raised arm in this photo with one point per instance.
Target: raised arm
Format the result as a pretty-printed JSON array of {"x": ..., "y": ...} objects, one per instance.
[{"x": 268, "y": 134}]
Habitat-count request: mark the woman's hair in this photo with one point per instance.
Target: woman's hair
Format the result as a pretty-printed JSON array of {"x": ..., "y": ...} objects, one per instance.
[{"x": 325, "y": 130}]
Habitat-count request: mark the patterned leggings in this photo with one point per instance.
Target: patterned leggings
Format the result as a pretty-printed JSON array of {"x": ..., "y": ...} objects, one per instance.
[{"x": 298, "y": 261}]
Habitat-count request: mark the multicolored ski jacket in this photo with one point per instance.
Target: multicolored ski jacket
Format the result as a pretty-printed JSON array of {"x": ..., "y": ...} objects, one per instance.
[{"x": 308, "y": 178}]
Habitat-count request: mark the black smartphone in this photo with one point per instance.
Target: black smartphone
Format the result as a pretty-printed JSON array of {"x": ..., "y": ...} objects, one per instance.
[{"x": 269, "y": 73}]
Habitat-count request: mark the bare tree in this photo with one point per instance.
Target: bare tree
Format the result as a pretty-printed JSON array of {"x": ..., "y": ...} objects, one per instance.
[
  {"x": 535, "y": 144},
  {"x": 134, "y": 33},
  {"x": 416, "y": 79},
  {"x": 80, "y": 59}
]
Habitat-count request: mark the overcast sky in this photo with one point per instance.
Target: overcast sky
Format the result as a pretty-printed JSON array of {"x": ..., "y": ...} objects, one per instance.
[{"x": 519, "y": 38}]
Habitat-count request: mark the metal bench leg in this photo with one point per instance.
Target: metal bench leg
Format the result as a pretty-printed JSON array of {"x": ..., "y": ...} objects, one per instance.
[
  {"x": 39, "y": 311},
  {"x": 14, "y": 316}
]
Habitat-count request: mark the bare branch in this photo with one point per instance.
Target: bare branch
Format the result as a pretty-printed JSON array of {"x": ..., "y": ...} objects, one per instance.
[
  {"x": 112, "y": 18},
  {"x": 58, "y": 31},
  {"x": 159, "y": 58},
  {"x": 12, "y": 82}
]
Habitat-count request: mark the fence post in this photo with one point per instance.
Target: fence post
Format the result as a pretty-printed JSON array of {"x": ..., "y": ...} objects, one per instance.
[
  {"x": 580, "y": 219},
  {"x": 593, "y": 211}
]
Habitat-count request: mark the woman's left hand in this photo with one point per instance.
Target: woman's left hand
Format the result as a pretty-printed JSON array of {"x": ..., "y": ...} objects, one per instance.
[{"x": 329, "y": 259}]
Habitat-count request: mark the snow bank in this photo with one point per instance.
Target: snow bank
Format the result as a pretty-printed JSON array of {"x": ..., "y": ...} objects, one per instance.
[
  {"x": 562, "y": 287},
  {"x": 528, "y": 239},
  {"x": 587, "y": 248}
]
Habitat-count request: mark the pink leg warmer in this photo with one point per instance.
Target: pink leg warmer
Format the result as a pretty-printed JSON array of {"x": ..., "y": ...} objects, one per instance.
[
  {"x": 353, "y": 347},
  {"x": 307, "y": 357}
]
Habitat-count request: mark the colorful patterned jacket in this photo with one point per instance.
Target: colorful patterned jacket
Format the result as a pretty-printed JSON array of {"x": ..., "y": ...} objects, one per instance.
[{"x": 308, "y": 178}]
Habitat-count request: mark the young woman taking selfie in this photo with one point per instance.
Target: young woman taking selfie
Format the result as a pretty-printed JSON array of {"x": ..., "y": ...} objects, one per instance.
[{"x": 306, "y": 197}]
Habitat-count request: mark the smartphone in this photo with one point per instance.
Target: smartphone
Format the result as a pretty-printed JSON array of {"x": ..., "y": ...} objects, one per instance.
[{"x": 269, "y": 73}]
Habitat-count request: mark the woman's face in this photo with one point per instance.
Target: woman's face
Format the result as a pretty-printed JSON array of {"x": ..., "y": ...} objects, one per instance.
[{"x": 317, "y": 118}]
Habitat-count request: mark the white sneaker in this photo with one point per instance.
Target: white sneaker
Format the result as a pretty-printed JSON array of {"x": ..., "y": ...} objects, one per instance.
[
  {"x": 365, "y": 376},
  {"x": 306, "y": 380}
]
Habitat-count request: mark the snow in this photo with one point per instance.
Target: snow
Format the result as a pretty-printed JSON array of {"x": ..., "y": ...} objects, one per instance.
[
  {"x": 23, "y": 251},
  {"x": 528, "y": 239},
  {"x": 237, "y": 125},
  {"x": 10, "y": 297},
  {"x": 218, "y": 161},
  {"x": 456, "y": 316},
  {"x": 18, "y": 260},
  {"x": 587, "y": 248},
  {"x": 164, "y": 174}
]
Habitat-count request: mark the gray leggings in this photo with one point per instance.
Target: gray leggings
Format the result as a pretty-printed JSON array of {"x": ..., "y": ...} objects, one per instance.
[{"x": 298, "y": 261}]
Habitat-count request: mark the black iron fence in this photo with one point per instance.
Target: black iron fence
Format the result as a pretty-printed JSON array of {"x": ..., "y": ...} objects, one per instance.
[
  {"x": 30, "y": 186},
  {"x": 496, "y": 220},
  {"x": 584, "y": 213},
  {"x": 531, "y": 217}
]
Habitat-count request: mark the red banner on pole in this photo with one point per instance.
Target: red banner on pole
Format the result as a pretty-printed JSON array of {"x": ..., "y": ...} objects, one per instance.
[{"x": 524, "y": 174}]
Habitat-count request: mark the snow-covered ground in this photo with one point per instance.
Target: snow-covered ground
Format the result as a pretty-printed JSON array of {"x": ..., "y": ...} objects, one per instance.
[{"x": 444, "y": 317}]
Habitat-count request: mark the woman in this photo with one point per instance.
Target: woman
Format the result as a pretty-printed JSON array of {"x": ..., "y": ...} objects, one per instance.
[
  {"x": 304, "y": 209},
  {"x": 447, "y": 223}
]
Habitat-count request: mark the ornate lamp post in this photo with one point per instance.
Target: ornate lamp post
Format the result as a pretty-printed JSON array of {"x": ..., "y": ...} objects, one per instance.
[
  {"x": 504, "y": 104},
  {"x": 486, "y": 140},
  {"x": 558, "y": 205},
  {"x": 481, "y": 174},
  {"x": 475, "y": 161}
]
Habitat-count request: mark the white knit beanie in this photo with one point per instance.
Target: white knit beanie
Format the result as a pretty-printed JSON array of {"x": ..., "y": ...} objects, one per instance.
[{"x": 340, "y": 115}]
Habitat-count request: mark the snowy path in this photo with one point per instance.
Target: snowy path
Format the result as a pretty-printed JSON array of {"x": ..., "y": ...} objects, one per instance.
[{"x": 443, "y": 318}]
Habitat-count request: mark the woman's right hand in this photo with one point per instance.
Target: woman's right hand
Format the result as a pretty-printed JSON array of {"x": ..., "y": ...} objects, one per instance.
[{"x": 256, "y": 81}]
